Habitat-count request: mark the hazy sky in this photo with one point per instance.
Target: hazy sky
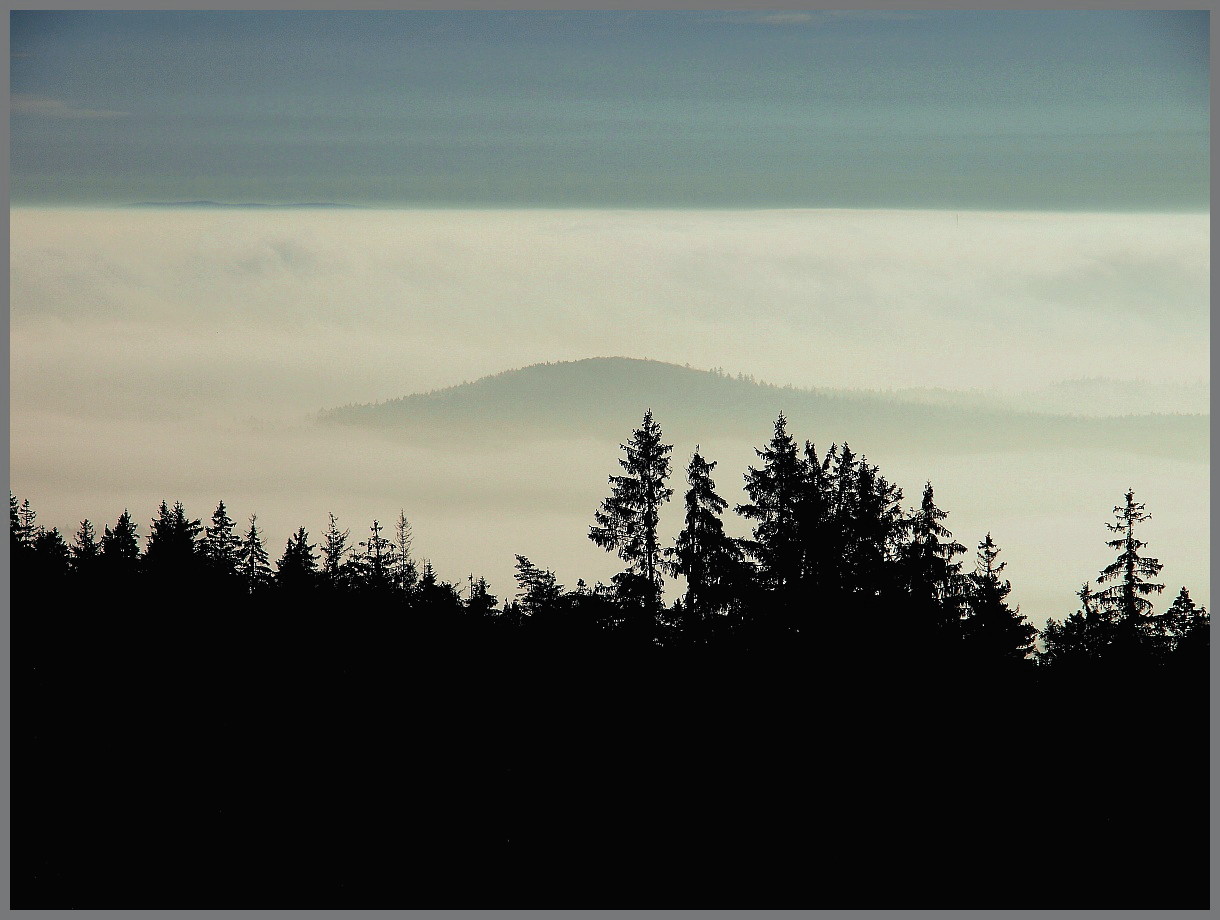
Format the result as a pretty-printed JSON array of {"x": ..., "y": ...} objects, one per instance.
[
  {"x": 887, "y": 199},
  {"x": 1070, "y": 110},
  {"x": 179, "y": 354}
]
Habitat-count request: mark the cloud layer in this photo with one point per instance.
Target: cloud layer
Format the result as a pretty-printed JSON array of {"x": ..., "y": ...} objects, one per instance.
[
  {"x": 23, "y": 104},
  {"x": 180, "y": 355}
]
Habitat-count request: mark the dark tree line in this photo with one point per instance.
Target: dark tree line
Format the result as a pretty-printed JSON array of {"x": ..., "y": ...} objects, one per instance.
[
  {"x": 834, "y": 559},
  {"x": 838, "y": 709}
]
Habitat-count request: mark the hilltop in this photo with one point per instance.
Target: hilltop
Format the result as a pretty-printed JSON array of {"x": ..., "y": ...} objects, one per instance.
[{"x": 605, "y": 397}]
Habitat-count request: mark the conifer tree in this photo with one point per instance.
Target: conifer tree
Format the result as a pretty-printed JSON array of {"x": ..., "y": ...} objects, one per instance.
[
  {"x": 86, "y": 550},
  {"x": 52, "y": 560},
  {"x": 933, "y": 575},
  {"x": 1125, "y": 600},
  {"x": 171, "y": 542},
  {"x": 775, "y": 491},
  {"x": 709, "y": 560},
  {"x": 481, "y": 602},
  {"x": 627, "y": 521},
  {"x": 1083, "y": 636},
  {"x": 253, "y": 563},
  {"x": 220, "y": 546},
  {"x": 434, "y": 600},
  {"x": 1183, "y": 617},
  {"x": 297, "y": 569},
  {"x": 334, "y": 551},
  {"x": 121, "y": 546},
  {"x": 405, "y": 572},
  {"x": 993, "y": 630},
  {"x": 376, "y": 563},
  {"x": 26, "y": 530},
  {"x": 17, "y": 542},
  {"x": 537, "y": 590}
]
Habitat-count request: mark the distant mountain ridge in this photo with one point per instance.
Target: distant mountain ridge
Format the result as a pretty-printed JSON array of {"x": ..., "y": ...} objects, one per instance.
[{"x": 606, "y": 397}]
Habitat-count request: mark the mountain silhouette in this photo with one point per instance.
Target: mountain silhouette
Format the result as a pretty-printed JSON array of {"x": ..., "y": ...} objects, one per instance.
[{"x": 605, "y": 397}]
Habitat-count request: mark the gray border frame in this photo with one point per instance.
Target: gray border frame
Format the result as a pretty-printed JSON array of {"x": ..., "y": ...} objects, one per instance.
[{"x": 540, "y": 5}]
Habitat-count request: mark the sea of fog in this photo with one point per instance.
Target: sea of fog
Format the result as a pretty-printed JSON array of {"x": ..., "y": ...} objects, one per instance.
[{"x": 181, "y": 354}]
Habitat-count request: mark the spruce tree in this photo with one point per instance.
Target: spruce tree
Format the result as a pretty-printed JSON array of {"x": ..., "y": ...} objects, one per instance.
[
  {"x": 434, "y": 600},
  {"x": 253, "y": 563},
  {"x": 627, "y": 521},
  {"x": 296, "y": 570},
  {"x": 18, "y": 543},
  {"x": 376, "y": 563},
  {"x": 220, "y": 546},
  {"x": 86, "y": 550},
  {"x": 1081, "y": 637},
  {"x": 51, "y": 559},
  {"x": 538, "y": 593},
  {"x": 993, "y": 630},
  {"x": 1183, "y": 617},
  {"x": 481, "y": 603},
  {"x": 775, "y": 491},
  {"x": 27, "y": 527},
  {"x": 334, "y": 552},
  {"x": 1125, "y": 600},
  {"x": 171, "y": 542},
  {"x": 709, "y": 560},
  {"x": 933, "y": 576},
  {"x": 121, "y": 547},
  {"x": 405, "y": 572}
]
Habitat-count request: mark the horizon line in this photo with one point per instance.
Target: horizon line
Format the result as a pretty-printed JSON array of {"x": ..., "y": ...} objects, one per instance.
[{"x": 208, "y": 205}]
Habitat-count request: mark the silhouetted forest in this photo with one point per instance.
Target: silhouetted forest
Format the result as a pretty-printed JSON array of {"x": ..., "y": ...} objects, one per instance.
[{"x": 843, "y": 710}]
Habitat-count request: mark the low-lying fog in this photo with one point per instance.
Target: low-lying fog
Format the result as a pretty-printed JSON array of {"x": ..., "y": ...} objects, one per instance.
[{"x": 182, "y": 354}]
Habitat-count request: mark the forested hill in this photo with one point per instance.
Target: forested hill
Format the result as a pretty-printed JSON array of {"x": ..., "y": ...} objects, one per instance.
[{"x": 599, "y": 396}]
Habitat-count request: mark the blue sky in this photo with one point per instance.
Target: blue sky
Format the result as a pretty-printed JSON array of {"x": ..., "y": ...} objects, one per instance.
[{"x": 1070, "y": 110}]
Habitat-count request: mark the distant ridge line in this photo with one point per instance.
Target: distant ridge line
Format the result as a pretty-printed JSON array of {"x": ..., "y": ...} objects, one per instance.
[{"x": 916, "y": 397}]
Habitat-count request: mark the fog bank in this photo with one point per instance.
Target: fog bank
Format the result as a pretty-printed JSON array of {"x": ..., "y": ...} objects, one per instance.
[{"x": 181, "y": 355}]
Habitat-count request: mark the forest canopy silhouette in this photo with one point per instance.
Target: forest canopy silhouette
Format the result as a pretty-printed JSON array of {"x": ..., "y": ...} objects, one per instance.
[{"x": 568, "y": 726}]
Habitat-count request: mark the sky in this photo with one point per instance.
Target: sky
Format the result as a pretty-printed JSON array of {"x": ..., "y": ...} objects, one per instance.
[
  {"x": 1004, "y": 202},
  {"x": 181, "y": 355},
  {"x": 1085, "y": 110}
]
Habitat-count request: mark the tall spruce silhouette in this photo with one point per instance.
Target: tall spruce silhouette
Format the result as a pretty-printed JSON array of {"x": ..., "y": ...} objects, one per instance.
[
  {"x": 86, "y": 551},
  {"x": 1125, "y": 600},
  {"x": 775, "y": 490},
  {"x": 253, "y": 564},
  {"x": 627, "y": 520},
  {"x": 296, "y": 571},
  {"x": 334, "y": 555},
  {"x": 171, "y": 553},
  {"x": 933, "y": 574},
  {"x": 121, "y": 546},
  {"x": 220, "y": 546},
  {"x": 374, "y": 567},
  {"x": 994, "y": 631},
  {"x": 703, "y": 554},
  {"x": 405, "y": 572}
]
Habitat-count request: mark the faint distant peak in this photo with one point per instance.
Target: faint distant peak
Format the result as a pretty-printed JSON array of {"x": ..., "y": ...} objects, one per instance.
[{"x": 242, "y": 205}]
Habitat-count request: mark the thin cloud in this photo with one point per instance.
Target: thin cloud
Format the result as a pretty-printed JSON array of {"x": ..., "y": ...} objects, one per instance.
[
  {"x": 782, "y": 19},
  {"x": 806, "y": 17},
  {"x": 21, "y": 104}
]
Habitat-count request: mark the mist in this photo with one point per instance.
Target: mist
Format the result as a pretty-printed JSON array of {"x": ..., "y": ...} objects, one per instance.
[{"x": 163, "y": 354}]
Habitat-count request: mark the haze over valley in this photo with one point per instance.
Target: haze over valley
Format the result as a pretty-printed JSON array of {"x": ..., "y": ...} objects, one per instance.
[{"x": 188, "y": 355}]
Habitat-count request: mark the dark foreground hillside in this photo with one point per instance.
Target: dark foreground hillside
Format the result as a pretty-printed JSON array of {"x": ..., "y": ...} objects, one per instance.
[{"x": 176, "y": 755}]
